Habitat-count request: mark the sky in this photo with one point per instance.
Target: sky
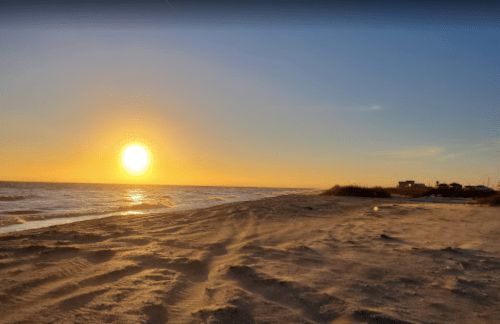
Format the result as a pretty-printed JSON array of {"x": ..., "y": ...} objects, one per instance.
[{"x": 302, "y": 94}]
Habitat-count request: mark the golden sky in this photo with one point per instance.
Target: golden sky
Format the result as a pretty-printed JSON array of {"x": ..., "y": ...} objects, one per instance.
[{"x": 296, "y": 107}]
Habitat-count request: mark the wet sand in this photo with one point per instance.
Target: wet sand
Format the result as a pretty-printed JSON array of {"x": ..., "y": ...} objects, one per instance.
[{"x": 286, "y": 259}]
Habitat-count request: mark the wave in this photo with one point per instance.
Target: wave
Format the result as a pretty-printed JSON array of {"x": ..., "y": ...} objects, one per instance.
[
  {"x": 132, "y": 200},
  {"x": 36, "y": 215},
  {"x": 143, "y": 206},
  {"x": 288, "y": 192},
  {"x": 22, "y": 212},
  {"x": 6, "y": 221},
  {"x": 216, "y": 198},
  {"x": 12, "y": 198}
]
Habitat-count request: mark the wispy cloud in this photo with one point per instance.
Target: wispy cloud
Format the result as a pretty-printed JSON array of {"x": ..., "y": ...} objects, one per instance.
[
  {"x": 436, "y": 153},
  {"x": 326, "y": 108},
  {"x": 169, "y": 4},
  {"x": 347, "y": 108},
  {"x": 448, "y": 156},
  {"x": 422, "y": 151},
  {"x": 404, "y": 162}
]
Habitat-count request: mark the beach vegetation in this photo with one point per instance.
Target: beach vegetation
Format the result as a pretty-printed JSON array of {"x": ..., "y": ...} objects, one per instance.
[
  {"x": 449, "y": 192},
  {"x": 412, "y": 192},
  {"x": 355, "y": 191},
  {"x": 493, "y": 200}
]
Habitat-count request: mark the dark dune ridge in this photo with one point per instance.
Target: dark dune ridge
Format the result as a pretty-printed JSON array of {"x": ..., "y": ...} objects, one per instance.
[
  {"x": 355, "y": 191},
  {"x": 491, "y": 198}
]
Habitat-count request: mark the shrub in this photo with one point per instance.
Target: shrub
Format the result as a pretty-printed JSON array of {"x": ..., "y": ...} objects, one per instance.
[
  {"x": 459, "y": 193},
  {"x": 493, "y": 200},
  {"x": 355, "y": 191},
  {"x": 413, "y": 192},
  {"x": 417, "y": 192}
]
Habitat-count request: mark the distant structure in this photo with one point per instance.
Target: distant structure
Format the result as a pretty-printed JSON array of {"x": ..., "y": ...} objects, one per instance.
[
  {"x": 410, "y": 184},
  {"x": 407, "y": 183},
  {"x": 452, "y": 185}
]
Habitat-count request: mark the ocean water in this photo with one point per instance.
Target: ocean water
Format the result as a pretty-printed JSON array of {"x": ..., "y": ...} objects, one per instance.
[{"x": 29, "y": 205}]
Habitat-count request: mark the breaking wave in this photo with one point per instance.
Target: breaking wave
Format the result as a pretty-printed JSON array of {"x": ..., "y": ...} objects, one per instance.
[
  {"x": 12, "y": 198},
  {"x": 143, "y": 206},
  {"x": 33, "y": 215},
  {"x": 216, "y": 199},
  {"x": 41, "y": 204},
  {"x": 22, "y": 212}
]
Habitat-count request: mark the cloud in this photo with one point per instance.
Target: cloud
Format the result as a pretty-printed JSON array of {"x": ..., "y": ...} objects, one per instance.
[
  {"x": 358, "y": 108},
  {"x": 448, "y": 156},
  {"x": 464, "y": 151},
  {"x": 327, "y": 108},
  {"x": 405, "y": 162},
  {"x": 422, "y": 151}
]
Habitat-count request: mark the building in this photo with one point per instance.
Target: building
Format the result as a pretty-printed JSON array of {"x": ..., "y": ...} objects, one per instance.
[
  {"x": 455, "y": 185},
  {"x": 483, "y": 188},
  {"x": 407, "y": 183},
  {"x": 480, "y": 188},
  {"x": 410, "y": 184}
]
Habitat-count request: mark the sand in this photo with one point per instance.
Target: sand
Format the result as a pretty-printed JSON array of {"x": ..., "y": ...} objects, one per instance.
[{"x": 286, "y": 259}]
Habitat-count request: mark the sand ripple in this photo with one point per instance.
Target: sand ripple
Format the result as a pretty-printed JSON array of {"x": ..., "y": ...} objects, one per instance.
[{"x": 288, "y": 259}]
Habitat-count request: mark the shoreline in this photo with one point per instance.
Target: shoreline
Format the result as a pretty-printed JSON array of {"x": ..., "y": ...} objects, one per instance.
[
  {"x": 9, "y": 224},
  {"x": 284, "y": 259},
  {"x": 31, "y": 219}
]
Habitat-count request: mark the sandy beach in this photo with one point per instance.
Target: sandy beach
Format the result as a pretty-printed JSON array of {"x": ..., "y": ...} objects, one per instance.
[{"x": 286, "y": 259}]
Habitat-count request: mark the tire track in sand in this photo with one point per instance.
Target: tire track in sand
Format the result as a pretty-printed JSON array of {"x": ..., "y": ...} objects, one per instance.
[{"x": 235, "y": 229}]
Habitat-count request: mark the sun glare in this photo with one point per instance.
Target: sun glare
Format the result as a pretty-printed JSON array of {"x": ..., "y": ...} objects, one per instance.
[{"x": 135, "y": 160}]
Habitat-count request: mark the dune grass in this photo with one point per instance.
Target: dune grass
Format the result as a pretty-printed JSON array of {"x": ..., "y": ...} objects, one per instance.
[
  {"x": 490, "y": 198},
  {"x": 355, "y": 191},
  {"x": 417, "y": 192},
  {"x": 413, "y": 192}
]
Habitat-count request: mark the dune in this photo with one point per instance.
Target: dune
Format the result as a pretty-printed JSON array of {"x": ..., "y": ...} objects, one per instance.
[
  {"x": 286, "y": 259},
  {"x": 355, "y": 191}
]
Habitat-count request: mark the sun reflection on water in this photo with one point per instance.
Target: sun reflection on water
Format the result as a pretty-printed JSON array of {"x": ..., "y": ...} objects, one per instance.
[
  {"x": 133, "y": 212},
  {"x": 136, "y": 196}
]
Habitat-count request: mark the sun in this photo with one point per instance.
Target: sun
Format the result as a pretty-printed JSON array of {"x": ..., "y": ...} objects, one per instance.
[{"x": 135, "y": 160}]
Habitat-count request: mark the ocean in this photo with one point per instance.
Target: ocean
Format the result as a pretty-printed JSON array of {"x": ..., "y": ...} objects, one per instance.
[{"x": 30, "y": 205}]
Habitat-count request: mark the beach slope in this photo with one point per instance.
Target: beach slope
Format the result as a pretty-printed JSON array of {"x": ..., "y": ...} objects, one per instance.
[{"x": 286, "y": 259}]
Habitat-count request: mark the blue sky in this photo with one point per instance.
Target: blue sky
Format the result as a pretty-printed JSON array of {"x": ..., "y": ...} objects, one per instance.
[{"x": 325, "y": 104}]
